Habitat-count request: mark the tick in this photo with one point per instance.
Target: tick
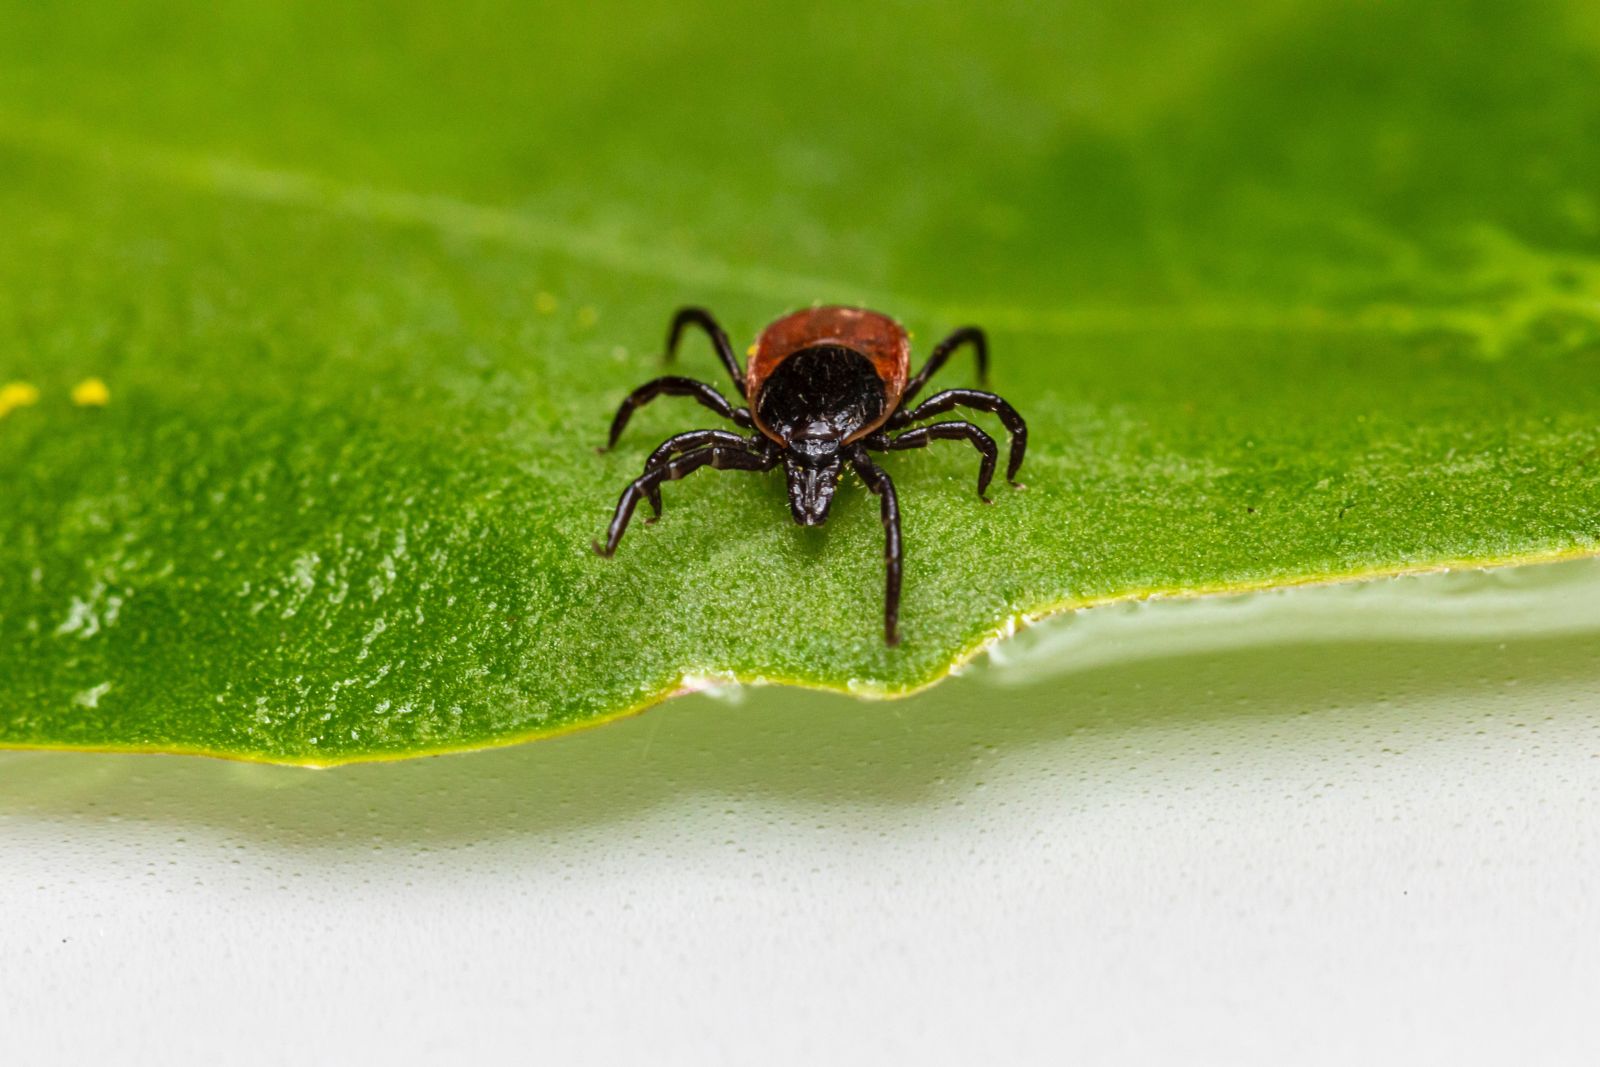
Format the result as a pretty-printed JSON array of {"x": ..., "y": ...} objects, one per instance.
[{"x": 824, "y": 388}]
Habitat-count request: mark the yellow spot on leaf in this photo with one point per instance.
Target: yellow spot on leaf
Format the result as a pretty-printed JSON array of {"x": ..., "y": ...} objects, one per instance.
[
  {"x": 587, "y": 316},
  {"x": 544, "y": 304},
  {"x": 15, "y": 395},
  {"x": 91, "y": 393}
]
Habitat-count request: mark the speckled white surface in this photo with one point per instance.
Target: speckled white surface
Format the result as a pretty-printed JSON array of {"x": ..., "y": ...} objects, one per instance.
[{"x": 1180, "y": 832}]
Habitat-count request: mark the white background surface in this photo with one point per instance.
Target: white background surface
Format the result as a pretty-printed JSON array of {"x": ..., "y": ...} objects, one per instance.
[{"x": 1176, "y": 832}]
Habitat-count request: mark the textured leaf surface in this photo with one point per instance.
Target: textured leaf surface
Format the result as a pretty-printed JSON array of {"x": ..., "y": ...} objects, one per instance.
[{"x": 1288, "y": 292}]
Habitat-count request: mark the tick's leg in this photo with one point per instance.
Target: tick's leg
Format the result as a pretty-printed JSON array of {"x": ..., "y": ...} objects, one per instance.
[
  {"x": 951, "y": 399},
  {"x": 943, "y": 351},
  {"x": 923, "y": 436},
  {"x": 719, "y": 339},
  {"x": 878, "y": 481},
  {"x": 705, "y": 394},
  {"x": 685, "y": 442},
  {"x": 715, "y": 456}
]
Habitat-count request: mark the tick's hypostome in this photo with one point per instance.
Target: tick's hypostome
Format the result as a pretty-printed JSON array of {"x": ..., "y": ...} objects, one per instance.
[{"x": 824, "y": 387}]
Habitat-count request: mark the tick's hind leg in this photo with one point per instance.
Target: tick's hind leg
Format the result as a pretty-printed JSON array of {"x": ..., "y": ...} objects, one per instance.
[
  {"x": 685, "y": 442},
  {"x": 700, "y": 317},
  {"x": 716, "y": 456},
  {"x": 670, "y": 386},
  {"x": 923, "y": 436},
  {"x": 951, "y": 399},
  {"x": 878, "y": 481},
  {"x": 943, "y": 351}
]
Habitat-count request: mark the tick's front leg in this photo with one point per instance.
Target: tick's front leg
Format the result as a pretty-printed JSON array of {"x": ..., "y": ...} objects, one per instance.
[
  {"x": 715, "y": 456},
  {"x": 878, "y": 481}
]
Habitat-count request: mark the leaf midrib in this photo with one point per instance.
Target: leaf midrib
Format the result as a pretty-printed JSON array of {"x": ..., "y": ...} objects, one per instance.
[{"x": 219, "y": 176}]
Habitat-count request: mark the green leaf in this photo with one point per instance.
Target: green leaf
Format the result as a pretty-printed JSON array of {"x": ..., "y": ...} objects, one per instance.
[{"x": 1287, "y": 292}]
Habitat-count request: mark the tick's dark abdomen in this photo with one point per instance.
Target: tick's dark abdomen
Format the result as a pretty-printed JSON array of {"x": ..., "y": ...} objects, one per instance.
[{"x": 825, "y": 387}]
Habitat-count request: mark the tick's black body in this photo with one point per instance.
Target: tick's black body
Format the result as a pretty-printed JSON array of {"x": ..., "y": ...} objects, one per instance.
[{"x": 823, "y": 387}]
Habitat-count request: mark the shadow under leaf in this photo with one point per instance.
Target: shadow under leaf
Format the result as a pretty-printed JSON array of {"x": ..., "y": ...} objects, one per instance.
[{"x": 787, "y": 749}]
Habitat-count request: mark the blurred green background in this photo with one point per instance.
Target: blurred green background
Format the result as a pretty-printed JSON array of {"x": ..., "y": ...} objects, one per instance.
[{"x": 1042, "y": 156}]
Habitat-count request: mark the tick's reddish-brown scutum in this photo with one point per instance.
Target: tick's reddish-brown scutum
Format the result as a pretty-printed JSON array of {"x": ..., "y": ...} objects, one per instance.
[{"x": 877, "y": 337}]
